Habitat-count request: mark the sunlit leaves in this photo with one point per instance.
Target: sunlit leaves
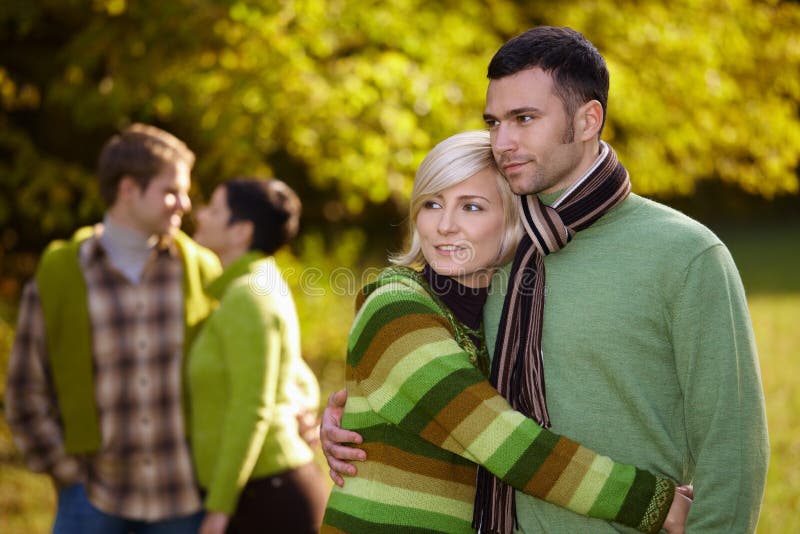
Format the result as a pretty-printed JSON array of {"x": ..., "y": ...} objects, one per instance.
[{"x": 346, "y": 97}]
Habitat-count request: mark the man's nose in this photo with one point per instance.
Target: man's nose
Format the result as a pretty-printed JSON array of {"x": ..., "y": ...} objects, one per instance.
[
  {"x": 184, "y": 203},
  {"x": 503, "y": 139}
]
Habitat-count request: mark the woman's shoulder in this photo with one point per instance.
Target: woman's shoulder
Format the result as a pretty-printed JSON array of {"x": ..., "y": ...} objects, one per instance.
[{"x": 400, "y": 282}]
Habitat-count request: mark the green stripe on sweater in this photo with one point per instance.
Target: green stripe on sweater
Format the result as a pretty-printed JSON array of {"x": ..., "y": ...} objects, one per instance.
[
  {"x": 437, "y": 397},
  {"x": 390, "y": 435},
  {"x": 614, "y": 491},
  {"x": 531, "y": 460},
  {"x": 380, "y": 309},
  {"x": 637, "y": 498},
  {"x": 353, "y": 514}
]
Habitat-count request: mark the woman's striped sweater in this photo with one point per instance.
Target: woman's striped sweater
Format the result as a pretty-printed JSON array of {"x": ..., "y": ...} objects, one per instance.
[{"x": 428, "y": 416}]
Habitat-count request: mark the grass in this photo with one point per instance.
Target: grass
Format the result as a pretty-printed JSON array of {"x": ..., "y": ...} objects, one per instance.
[{"x": 769, "y": 259}]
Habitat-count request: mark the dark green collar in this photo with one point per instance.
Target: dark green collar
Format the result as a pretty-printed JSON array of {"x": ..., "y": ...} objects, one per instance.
[{"x": 240, "y": 267}]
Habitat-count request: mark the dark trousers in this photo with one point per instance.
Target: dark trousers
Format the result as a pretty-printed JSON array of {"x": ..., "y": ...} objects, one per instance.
[
  {"x": 76, "y": 515},
  {"x": 292, "y": 501}
]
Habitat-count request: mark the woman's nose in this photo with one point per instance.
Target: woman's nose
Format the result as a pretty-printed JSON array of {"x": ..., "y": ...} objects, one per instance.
[{"x": 447, "y": 222}]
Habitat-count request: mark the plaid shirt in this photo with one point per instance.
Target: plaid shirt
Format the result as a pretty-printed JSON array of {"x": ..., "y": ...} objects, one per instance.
[{"x": 143, "y": 469}]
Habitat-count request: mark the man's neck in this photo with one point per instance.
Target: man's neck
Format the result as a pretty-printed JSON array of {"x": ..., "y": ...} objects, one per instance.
[
  {"x": 120, "y": 218},
  {"x": 125, "y": 235},
  {"x": 593, "y": 155},
  {"x": 127, "y": 248}
]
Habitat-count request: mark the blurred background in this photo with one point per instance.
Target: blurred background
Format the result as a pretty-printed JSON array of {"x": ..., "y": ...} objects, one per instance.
[{"x": 343, "y": 98}]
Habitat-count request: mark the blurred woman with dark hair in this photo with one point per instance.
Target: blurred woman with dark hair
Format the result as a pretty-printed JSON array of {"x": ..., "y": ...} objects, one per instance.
[{"x": 246, "y": 376}]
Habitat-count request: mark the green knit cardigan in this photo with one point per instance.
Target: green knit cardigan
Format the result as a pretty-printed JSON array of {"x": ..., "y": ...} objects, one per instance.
[
  {"x": 63, "y": 294},
  {"x": 428, "y": 417}
]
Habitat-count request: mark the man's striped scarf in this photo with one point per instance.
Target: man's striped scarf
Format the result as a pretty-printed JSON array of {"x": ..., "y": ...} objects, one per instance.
[{"x": 517, "y": 370}]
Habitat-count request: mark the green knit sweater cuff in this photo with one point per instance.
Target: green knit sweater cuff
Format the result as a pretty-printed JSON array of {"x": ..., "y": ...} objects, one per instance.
[{"x": 659, "y": 506}]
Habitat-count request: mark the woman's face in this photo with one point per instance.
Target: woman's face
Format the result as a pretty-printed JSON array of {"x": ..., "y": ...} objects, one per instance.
[
  {"x": 213, "y": 223},
  {"x": 461, "y": 229}
]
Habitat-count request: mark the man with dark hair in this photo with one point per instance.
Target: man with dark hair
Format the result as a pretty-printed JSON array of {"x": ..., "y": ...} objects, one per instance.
[
  {"x": 94, "y": 396},
  {"x": 644, "y": 339}
]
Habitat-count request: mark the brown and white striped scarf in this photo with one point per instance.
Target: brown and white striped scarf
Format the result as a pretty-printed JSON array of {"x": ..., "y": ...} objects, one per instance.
[{"x": 517, "y": 370}]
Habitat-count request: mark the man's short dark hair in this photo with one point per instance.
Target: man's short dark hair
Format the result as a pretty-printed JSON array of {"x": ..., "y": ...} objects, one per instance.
[
  {"x": 141, "y": 152},
  {"x": 578, "y": 70},
  {"x": 271, "y": 205}
]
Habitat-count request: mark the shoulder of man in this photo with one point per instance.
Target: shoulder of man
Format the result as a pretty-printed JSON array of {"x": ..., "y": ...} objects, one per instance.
[
  {"x": 668, "y": 225},
  {"x": 207, "y": 263},
  {"x": 60, "y": 260}
]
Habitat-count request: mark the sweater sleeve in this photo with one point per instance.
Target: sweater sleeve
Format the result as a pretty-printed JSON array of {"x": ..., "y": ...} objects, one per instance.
[
  {"x": 31, "y": 407},
  {"x": 718, "y": 368},
  {"x": 413, "y": 374},
  {"x": 250, "y": 342}
]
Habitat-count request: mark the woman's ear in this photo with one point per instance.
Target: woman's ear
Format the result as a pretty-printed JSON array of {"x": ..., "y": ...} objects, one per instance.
[{"x": 242, "y": 232}]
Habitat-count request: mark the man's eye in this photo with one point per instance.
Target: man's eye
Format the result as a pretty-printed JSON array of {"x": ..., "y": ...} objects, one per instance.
[
  {"x": 524, "y": 119},
  {"x": 491, "y": 123}
]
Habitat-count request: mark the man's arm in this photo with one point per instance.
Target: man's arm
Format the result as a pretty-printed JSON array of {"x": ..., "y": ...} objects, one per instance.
[
  {"x": 31, "y": 409},
  {"x": 334, "y": 438},
  {"x": 726, "y": 425}
]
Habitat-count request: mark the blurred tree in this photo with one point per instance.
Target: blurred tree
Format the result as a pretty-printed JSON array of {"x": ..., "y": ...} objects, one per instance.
[{"x": 342, "y": 98}]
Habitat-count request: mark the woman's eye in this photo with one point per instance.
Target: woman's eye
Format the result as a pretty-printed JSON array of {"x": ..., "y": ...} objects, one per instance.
[
  {"x": 472, "y": 207},
  {"x": 431, "y": 205}
]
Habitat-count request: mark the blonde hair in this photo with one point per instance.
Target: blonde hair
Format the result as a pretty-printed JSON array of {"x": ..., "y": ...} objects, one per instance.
[{"x": 451, "y": 162}]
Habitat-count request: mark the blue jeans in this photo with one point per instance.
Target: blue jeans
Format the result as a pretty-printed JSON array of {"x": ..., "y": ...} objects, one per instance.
[{"x": 76, "y": 515}]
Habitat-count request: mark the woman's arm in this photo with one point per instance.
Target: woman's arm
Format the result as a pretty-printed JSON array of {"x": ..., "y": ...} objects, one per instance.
[
  {"x": 249, "y": 339},
  {"x": 410, "y": 371}
]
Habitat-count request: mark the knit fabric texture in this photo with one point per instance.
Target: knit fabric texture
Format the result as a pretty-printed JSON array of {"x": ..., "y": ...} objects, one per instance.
[
  {"x": 244, "y": 375},
  {"x": 429, "y": 418},
  {"x": 63, "y": 295}
]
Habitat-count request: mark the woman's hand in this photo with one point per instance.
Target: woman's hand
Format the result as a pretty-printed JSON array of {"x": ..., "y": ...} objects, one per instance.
[
  {"x": 333, "y": 437},
  {"x": 214, "y": 523},
  {"x": 679, "y": 511}
]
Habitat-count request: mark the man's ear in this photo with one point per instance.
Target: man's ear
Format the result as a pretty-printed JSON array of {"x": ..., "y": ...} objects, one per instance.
[
  {"x": 589, "y": 120},
  {"x": 126, "y": 188}
]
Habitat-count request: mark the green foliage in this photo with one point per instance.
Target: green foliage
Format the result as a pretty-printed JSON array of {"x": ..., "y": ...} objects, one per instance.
[
  {"x": 700, "y": 89},
  {"x": 342, "y": 99}
]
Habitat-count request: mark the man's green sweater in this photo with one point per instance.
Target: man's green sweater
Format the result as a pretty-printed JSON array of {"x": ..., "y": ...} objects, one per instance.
[
  {"x": 63, "y": 293},
  {"x": 649, "y": 358}
]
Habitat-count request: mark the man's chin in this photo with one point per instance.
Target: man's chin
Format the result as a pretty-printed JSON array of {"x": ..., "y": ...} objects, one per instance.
[
  {"x": 519, "y": 186},
  {"x": 170, "y": 230}
]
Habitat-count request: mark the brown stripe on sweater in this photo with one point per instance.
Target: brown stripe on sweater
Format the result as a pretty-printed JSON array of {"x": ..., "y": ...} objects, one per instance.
[
  {"x": 387, "y": 455},
  {"x": 454, "y": 413},
  {"x": 389, "y": 333},
  {"x": 547, "y": 475},
  {"x": 400, "y": 350},
  {"x": 420, "y": 483},
  {"x": 570, "y": 480}
]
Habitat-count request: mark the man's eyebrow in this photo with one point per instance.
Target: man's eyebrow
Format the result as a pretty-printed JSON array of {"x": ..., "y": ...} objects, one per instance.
[{"x": 516, "y": 111}]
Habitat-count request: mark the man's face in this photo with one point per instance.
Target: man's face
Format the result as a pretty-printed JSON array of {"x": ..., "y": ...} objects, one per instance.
[
  {"x": 531, "y": 135},
  {"x": 159, "y": 208}
]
